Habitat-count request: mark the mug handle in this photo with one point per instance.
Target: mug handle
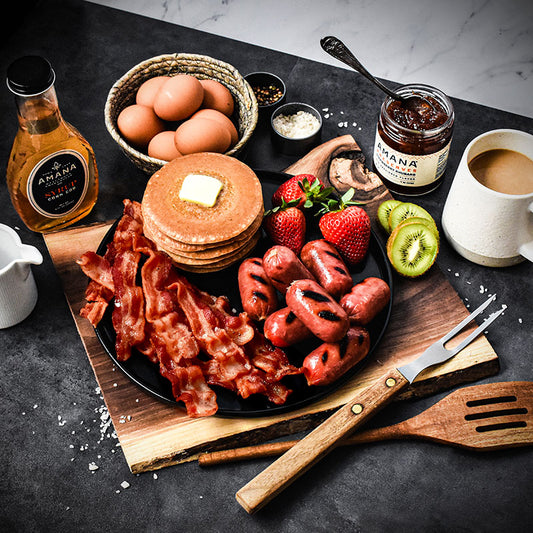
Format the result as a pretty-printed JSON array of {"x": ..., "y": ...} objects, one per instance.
[{"x": 526, "y": 249}]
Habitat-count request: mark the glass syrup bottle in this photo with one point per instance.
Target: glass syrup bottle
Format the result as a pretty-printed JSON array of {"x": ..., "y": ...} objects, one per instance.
[{"x": 51, "y": 174}]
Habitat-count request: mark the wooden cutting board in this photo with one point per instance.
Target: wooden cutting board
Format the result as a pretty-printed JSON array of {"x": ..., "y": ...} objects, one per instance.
[{"x": 153, "y": 434}]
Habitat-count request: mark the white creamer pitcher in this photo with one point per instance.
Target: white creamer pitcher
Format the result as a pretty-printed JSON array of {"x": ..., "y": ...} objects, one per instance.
[{"x": 18, "y": 292}]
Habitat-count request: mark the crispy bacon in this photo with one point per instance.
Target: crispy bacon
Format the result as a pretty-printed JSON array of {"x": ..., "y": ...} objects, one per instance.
[
  {"x": 272, "y": 360},
  {"x": 98, "y": 269},
  {"x": 195, "y": 338},
  {"x": 128, "y": 313}
]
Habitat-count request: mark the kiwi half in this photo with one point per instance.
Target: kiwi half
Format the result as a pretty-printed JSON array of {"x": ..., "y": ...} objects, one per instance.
[
  {"x": 384, "y": 211},
  {"x": 412, "y": 249},
  {"x": 406, "y": 210}
]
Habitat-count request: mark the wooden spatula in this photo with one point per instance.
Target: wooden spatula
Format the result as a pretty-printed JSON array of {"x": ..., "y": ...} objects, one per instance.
[{"x": 481, "y": 418}]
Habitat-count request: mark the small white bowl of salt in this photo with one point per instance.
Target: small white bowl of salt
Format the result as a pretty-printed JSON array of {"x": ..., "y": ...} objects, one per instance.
[{"x": 296, "y": 128}]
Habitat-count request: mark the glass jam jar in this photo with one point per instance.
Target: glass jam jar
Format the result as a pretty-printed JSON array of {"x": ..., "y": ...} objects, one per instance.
[{"x": 411, "y": 147}]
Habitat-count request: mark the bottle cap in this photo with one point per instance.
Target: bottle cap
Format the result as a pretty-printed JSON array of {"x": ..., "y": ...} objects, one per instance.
[{"x": 30, "y": 75}]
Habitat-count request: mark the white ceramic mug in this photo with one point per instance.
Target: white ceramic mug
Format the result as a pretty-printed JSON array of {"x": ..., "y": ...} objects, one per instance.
[
  {"x": 18, "y": 292},
  {"x": 487, "y": 227}
]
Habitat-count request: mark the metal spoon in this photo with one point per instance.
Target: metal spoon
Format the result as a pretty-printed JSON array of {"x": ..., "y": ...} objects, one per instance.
[{"x": 337, "y": 49}]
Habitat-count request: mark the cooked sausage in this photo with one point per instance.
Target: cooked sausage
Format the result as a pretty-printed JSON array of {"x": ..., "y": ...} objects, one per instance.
[
  {"x": 366, "y": 300},
  {"x": 330, "y": 361},
  {"x": 317, "y": 310},
  {"x": 283, "y": 328},
  {"x": 325, "y": 263},
  {"x": 283, "y": 266},
  {"x": 258, "y": 296}
]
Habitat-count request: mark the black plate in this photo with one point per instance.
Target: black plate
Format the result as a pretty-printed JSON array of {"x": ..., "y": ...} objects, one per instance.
[{"x": 146, "y": 374}]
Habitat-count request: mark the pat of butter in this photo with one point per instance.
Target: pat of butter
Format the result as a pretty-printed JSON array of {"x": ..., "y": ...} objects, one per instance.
[{"x": 200, "y": 189}]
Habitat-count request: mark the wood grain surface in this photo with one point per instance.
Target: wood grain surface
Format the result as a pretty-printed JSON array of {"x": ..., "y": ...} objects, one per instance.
[{"x": 154, "y": 434}]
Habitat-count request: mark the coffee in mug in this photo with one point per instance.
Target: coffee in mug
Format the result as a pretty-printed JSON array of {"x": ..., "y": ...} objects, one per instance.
[{"x": 488, "y": 214}]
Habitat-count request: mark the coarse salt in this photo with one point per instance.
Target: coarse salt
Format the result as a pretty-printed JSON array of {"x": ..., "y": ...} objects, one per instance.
[{"x": 296, "y": 126}]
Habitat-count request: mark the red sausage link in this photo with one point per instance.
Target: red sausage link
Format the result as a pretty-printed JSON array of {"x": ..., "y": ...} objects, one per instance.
[
  {"x": 330, "y": 361},
  {"x": 283, "y": 328},
  {"x": 325, "y": 263},
  {"x": 366, "y": 300},
  {"x": 317, "y": 310},
  {"x": 258, "y": 296},
  {"x": 283, "y": 266}
]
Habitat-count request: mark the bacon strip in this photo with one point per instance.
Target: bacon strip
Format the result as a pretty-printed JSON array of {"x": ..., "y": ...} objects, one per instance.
[
  {"x": 195, "y": 338},
  {"x": 128, "y": 313}
]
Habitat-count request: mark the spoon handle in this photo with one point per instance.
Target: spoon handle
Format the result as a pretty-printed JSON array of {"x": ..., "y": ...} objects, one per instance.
[{"x": 336, "y": 48}]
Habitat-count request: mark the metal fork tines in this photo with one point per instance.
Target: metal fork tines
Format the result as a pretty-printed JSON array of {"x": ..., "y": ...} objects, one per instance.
[{"x": 437, "y": 353}]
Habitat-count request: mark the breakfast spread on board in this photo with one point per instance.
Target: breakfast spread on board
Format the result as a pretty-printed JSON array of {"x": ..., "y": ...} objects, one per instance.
[{"x": 197, "y": 339}]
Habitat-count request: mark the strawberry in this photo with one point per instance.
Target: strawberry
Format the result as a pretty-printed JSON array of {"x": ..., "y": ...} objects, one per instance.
[
  {"x": 286, "y": 226},
  {"x": 305, "y": 188},
  {"x": 347, "y": 226}
]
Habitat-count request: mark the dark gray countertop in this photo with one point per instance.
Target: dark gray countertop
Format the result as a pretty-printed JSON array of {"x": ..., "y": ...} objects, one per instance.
[{"x": 53, "y": 418}]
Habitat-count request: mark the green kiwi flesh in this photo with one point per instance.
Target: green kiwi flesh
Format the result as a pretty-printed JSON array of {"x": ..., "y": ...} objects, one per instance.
[
  {"x": 412, "y": 249},
  {"x": 384, "y": 211},
  {"x": 419, "y": 220},
  {"x": 406, "y": 210}
]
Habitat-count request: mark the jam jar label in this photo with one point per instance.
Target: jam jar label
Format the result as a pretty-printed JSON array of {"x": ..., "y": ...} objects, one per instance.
[
  {"x": 406, "y": 169},
  {"x": 58, "y": 183}
]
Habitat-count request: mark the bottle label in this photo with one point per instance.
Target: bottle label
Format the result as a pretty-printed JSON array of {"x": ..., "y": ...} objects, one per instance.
[
  {"x": 406, "y": 169},
  {"x": 58, "y": 183}
]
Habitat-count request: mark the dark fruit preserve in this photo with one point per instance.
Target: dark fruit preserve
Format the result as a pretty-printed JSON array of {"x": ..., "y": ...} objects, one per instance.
[{"x": 411, "y": 148}]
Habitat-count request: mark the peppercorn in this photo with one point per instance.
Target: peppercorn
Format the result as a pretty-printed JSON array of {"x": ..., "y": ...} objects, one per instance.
[{"x": 267, "y": 94}]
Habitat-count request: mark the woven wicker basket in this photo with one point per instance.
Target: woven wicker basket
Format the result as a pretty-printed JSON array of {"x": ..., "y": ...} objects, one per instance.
[{"x": 123, "y": 93}]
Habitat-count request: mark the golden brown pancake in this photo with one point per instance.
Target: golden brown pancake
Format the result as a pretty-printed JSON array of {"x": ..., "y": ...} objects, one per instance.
[
  {"x": 215, "y": 265},
  {"x": 211, "y": 250},
  {"x": 239, "y": 203}
]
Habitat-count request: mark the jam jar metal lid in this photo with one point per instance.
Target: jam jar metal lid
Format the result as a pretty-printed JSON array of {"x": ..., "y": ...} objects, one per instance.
[{"x": 30, "y": 75}]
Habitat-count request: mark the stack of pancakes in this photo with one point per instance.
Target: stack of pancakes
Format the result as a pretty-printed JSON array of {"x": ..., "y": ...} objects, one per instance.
[{"x": 196, "y": 237}]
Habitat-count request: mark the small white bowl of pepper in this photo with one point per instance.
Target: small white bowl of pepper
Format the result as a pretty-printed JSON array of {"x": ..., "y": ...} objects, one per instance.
[{"x": 269, "y": 90}]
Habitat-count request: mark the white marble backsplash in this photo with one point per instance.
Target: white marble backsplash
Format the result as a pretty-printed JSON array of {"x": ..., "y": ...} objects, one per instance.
[{"x": 477, "y": 50}]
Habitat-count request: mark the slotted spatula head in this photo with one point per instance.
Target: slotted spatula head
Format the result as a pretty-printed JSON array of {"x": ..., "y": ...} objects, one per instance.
[{"x": 482, "y": 417}]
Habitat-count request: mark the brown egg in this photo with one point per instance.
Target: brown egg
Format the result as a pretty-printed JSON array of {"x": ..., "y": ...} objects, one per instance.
[
  {"x": 201, "y": 135},
  {"x": 148, "y": 89},
  {"x": 213, "y": 114},
  {"x": 217, "y": 96},
  {"x": 138, "y": 124},
  {"x": 178, "y": 98},
  {"x": 162, "y": 146}
]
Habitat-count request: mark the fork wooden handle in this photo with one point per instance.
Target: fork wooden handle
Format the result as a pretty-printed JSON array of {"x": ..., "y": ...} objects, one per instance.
[{"x": 291, "y": 465}]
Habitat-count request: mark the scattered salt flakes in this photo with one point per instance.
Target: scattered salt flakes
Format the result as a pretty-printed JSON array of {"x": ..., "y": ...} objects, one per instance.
[
  {"x": 117, "y": 491},
  {"x": 325, "y": 109},
  {"x": 481, "y": 289},
  {"x": 354, "y": 124},
  {"x": 155, "y": 475},
  {"x": 97, "y": 390},
  {"x": 35, "y": 406},
  {"x": 71, "y": 446},
  {"x": 23, "y": 412},
  {"x": 469, "y": 283},
  {"x": 125, "y": 485},
  {"x": 342, "y": 112},
  {"x": 201, "y": 497},
  {"x": 457, "y": 274},
  {"x": 93, "y": 466},
  {"x": 115, "y": 384},
  {"x": 327, "y": 115},
  {"x": 359, "y": 129},
  {"x": 136, "y": 400}
]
